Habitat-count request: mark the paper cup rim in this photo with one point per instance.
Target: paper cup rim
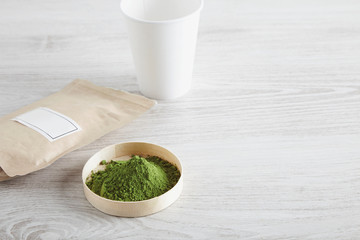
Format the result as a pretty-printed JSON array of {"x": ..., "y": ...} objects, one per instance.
[{"x": 173, "y": 20}]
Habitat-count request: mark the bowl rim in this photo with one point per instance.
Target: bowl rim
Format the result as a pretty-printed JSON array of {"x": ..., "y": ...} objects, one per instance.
[{"x": 132, "y": 202}]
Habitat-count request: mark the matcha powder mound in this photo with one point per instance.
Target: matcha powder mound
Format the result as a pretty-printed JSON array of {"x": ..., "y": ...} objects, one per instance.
[{"x": 134, "y": 180}]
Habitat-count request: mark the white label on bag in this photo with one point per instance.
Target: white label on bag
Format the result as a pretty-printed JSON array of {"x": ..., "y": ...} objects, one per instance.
[{"x": 50, "y": 124}]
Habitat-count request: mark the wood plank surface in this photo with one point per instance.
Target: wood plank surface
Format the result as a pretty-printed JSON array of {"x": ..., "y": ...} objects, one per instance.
[{"x": 268, "y": 136}]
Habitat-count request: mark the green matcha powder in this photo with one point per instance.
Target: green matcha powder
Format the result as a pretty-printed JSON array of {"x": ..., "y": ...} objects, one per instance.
[{"x": 134, "y": 180}]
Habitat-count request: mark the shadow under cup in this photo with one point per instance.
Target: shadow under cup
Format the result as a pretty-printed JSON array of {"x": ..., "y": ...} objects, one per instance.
[{"x": 163, "y": 35}]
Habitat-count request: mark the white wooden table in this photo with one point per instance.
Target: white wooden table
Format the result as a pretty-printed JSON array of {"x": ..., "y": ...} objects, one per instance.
[{"x": 269, "y": 135}]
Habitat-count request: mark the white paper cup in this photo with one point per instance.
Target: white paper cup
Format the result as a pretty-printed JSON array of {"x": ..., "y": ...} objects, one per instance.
[{"x": 163, "y": 37}]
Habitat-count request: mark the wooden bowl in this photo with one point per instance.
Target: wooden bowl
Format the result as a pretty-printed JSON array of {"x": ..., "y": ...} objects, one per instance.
[{"x": 135, "y": 208}]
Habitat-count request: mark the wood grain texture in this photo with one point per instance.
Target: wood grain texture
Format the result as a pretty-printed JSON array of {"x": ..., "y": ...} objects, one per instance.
[{"x": 268, "y": 136}]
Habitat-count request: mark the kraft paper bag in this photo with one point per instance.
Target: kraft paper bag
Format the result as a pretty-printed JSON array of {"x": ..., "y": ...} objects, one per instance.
[{"x": 36, "y": 135}]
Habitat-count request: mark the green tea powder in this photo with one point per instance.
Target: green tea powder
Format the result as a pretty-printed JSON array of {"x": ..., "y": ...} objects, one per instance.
[{"x": 134, "y": 180}]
